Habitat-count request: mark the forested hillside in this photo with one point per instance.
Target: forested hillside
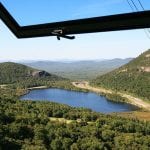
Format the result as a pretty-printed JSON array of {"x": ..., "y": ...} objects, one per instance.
[
  {"x": 23, "y": 76},
  {"x": 13, "y": 72},
  {"x": 133, "y": 78},
  {"x": 20, "y": 76}
]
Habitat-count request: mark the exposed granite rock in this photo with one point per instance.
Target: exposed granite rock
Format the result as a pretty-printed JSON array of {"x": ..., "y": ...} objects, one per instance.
[{"x": 40, "y": 74}]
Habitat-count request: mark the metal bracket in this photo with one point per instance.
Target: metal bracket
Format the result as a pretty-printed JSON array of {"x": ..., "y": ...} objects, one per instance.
[{"x": 59, "y": 34}]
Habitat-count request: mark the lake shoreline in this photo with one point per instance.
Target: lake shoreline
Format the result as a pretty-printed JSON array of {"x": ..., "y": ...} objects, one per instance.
[
  {"x": 131, "y": 100},
  {"x": 102, "y": 92},
  {"x": 90, "y": 100}
]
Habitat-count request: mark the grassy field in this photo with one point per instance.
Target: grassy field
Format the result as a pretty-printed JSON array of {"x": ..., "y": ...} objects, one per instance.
[{"x": 140, "y": 115}]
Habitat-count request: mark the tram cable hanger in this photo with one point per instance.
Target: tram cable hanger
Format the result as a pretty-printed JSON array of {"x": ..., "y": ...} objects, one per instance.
[{"x": 127, "y": 21}]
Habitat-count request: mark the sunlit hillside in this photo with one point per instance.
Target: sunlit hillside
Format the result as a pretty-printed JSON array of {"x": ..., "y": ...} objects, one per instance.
[{"x": 133, "y": 78}]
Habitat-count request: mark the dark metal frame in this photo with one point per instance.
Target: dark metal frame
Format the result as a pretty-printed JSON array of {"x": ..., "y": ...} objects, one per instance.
[{"x": 136, "y": 20}]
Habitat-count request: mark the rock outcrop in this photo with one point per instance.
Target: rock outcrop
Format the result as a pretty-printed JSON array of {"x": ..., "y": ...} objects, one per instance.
[{"x": 40, "y": 74}]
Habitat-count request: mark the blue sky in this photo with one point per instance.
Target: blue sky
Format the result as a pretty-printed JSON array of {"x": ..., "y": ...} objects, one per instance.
[{"x": 120, "y": 44}]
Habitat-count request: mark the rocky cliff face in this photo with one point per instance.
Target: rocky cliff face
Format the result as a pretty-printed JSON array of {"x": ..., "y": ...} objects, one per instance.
[{"x": 40, "y": 74}]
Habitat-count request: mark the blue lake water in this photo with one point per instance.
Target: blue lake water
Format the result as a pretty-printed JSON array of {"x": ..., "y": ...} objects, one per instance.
[{"x": 78, "y": 99}]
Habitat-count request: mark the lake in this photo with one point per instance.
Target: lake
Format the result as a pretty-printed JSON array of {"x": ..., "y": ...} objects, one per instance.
[{"x": 78, "y": 99}]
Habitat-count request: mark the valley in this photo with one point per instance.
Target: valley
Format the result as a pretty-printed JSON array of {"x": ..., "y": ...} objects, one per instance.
[
  {"x": 78, "y": 70},
  {"x": 75, "y": 75},
  {"x": 46, "y": 124}
]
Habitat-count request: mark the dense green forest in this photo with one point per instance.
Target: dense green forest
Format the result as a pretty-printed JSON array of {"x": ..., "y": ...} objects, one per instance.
[
  {"x": 133, "y": 78},
  {"x": 27, "y": 125}
]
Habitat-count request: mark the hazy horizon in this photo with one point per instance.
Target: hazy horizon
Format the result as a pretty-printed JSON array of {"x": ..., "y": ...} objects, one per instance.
[
  {"x": 59, "y": 60},
  {"x": 105, "y": 45}
]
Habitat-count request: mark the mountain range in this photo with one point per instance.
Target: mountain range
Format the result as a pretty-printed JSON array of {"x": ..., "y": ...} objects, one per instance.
[{"x": 78, "y": 70}]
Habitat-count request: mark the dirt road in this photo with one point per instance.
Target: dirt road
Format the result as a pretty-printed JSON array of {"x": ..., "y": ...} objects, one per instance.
[
  {"x": 133, "y": 100},
  {"x": 3, "y": 86},
  {"x": 38, "y": 87}
]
